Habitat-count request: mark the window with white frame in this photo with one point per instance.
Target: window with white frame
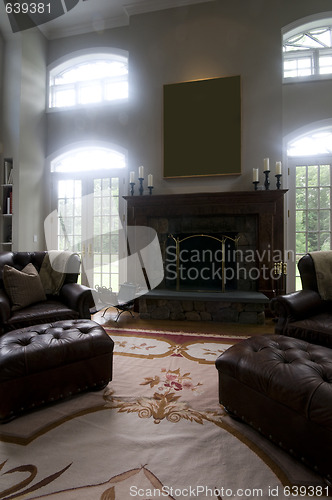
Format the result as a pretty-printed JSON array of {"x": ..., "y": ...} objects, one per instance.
[
  {"x": 87, "y": 79},
  {"x": 310, "y": 168},
  {"x": 307, "y": 51},
  {"x": 87, "y": 187}
]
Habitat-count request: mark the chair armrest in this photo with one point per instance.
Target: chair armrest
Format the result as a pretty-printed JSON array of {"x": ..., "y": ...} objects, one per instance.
[
  {"x": 298, "y": 305},
  {"x": 78, "y": 297},
  {"x": 4, "y": 307}
]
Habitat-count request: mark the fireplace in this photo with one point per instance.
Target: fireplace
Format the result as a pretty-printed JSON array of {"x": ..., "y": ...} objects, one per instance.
[
  {"x": 241, "y": 230},
  {"x": 201, "y": 262}
]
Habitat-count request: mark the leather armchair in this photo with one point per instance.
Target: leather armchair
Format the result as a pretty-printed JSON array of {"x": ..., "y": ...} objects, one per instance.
[
  {"x": 74, "y": 300},
  {"x": 304, "y": 314}
]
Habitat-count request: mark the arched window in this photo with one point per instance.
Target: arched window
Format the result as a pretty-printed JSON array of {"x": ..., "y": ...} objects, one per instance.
[
  {"x": 307, "y": 50},
  {"x": 88, "y": 159},
  {"x": 318, "y": 142},
  {"x": 88, "y": 78}
]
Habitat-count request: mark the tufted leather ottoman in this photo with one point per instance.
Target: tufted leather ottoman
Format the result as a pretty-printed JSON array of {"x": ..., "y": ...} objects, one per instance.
[
  {"x": 282, "y": 387},
  {"x": 49, "y": 362}
]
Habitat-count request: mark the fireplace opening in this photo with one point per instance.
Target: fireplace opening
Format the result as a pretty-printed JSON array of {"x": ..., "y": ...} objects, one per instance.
[{"x": 201, "y": 262}]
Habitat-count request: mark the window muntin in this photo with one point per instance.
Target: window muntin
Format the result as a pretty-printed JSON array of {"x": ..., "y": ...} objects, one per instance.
[
  {"x": 88, "y": 79},
  {"x": 308, "y": 53}
]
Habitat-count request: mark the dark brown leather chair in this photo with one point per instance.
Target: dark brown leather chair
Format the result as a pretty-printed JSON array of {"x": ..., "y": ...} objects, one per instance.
[
  {"x": 74, "y": 301},
  {"x": 304, "y": 314}
]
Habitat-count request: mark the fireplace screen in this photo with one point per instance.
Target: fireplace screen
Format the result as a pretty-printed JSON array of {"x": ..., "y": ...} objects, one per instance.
[{"x": 201, "y": 262}]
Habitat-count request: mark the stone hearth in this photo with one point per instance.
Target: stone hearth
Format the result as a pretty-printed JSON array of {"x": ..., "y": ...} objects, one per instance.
[{"x": 232, "y": 307}]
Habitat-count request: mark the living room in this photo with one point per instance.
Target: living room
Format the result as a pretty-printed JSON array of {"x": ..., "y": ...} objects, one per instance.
[{"x": 166, "y": 45}]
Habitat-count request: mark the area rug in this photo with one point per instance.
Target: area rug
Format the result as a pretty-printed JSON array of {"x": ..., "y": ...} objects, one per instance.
[{"x": 156, "y": 431}]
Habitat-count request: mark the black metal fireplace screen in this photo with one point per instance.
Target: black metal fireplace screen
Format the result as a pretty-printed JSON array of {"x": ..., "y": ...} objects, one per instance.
[{"x": 201, "y": 262}]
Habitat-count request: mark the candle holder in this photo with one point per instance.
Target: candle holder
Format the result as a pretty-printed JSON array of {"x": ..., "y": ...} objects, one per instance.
[
  {"x": 132, "y": 184},
  {"x": 141, "y": 189},
  {"x": 255, "y": 183},
  {"x": 278, "y": 176},
  {"x": 267, "y": 181},
  {"x": 150, "y": 189}
]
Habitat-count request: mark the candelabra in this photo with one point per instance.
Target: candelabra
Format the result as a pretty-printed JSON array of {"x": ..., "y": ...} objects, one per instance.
[
  {"x": 267, "y": 181},
  {"x": 150, "y": 189},
  {"x": 132, "y": 184},
  {"x": 141, "y": 189},
  {"x": 278, "y": 176},
  {"x": 255, "y": 185}
]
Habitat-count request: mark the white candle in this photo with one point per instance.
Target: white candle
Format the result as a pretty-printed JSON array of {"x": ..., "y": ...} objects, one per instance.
[
  {"x": 150, "y": 180},
  {"x": 266, "y": 164},
  {"x": 255, "y": 175},
  {"x": 132, "y": 177},
  {"x": 141, "y": 172},
  {"x": 278, "y": 168}
]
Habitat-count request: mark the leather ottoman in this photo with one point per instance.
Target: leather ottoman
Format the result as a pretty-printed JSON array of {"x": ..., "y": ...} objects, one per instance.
[
  {"x": 282, "y": 387},
  {"x": 49, "y": 362}
]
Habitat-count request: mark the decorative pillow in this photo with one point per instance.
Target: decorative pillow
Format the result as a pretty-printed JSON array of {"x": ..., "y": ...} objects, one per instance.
[{"x": 23, "y": 287}]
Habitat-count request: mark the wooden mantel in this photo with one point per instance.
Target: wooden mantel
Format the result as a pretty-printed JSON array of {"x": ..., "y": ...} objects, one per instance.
[{"x": 267, "y": 205}]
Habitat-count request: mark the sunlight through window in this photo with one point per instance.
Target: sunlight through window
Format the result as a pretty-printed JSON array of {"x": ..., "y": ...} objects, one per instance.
[
  {"x": 88, "y": 79},
  {"x": 88, "y": 160},
  {"x": 318, "y": 143}
]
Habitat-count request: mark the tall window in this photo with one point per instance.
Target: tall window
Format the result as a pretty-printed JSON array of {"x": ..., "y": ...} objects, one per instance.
[
  {"x": 89, "y": 78},
  {"x": 310, "y": 160},
  {"x": 87, "y": 195},
  {"x": 307, "y": 51}
]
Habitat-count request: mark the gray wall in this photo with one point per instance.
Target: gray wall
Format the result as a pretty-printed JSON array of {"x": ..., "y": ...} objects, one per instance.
[
  {"x": 208, "y": 40},
  {"x": 1, "y": 91},
  {"x": 24, "y": 134},
  {"x": 215, "y": 39}
]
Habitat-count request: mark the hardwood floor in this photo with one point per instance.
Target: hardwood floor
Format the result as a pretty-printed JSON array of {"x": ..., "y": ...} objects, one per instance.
[{"x": 126, "y": 322}]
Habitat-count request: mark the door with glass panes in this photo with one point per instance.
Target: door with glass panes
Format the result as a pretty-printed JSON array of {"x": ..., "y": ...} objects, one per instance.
[
  {"x": 88, "y": 211},
  {"x": 310, "y": 210}
]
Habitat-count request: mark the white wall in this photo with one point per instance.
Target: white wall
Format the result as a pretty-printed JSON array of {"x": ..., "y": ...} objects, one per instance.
[
  {"x": 24, "y": 134},
  {"x": 207, "y": 40},
  {"x": 1, "y": 92},
  {"x": 182, "y": 44},
  {"x": 31, "y": 180}
]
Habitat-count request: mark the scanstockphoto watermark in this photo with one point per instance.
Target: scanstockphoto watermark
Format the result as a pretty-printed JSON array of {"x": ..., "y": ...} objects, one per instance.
[
  {"x": 26, "y": 14},
  {"x": 214, "y": 272},
  {"x": 225, "y": 265},
  {"x": 229, "y": 255},
  {"x": 224, "y": 492}
]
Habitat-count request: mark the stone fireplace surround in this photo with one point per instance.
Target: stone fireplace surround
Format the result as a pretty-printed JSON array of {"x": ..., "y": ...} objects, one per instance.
[{"x": 257, "y": 217}]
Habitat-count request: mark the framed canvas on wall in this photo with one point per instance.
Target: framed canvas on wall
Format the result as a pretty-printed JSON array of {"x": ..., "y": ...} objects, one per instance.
[{"x": 202, "y": 128}]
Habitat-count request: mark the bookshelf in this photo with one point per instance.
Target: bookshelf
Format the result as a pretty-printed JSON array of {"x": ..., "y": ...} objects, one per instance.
[{"x": 7, "y": 204}]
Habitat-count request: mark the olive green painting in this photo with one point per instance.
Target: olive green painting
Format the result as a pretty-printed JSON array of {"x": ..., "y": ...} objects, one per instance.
[{"x": 202, "y": 128}]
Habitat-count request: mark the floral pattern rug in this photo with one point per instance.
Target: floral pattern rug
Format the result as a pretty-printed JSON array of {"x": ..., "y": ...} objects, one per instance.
[{"x": 156, "y": 431}]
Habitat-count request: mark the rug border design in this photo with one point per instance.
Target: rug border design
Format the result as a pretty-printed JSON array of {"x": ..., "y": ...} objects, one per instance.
[
  {"x": 174, "y": 346},
  {"x": 171, "y": 332}
]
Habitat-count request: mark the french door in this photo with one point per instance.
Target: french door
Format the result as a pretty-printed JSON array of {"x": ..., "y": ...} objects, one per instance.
[
  {"x": 89, "y": 222},
  {"x": 309, "y": 226}
]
